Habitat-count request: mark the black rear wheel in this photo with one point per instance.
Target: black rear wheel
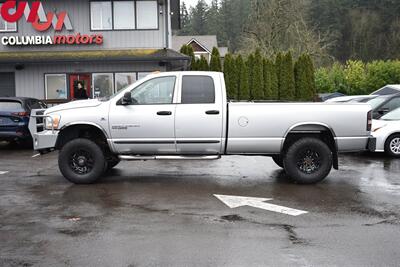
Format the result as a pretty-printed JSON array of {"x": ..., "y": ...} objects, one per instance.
[
  {"x": 81, "y": 161},
  {"x": 308, "y": 161}
]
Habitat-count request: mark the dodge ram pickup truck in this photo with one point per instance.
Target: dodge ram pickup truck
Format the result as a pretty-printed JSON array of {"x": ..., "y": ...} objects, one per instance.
[{"x": 186, "y": 115}]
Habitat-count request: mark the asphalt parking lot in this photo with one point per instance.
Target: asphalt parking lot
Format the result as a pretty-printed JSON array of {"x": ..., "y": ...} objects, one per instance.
[{"x": 164, "y": 213}]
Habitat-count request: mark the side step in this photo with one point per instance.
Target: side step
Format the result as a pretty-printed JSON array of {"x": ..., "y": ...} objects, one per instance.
[{"x": 131, "y": 158}]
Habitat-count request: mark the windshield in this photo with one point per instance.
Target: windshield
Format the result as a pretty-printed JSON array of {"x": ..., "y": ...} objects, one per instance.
[
  {"x": 392, "y": 116},
  {"x": 376, "y": 102}
]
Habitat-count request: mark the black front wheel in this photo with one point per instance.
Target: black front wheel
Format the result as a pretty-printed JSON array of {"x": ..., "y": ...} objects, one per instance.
[
  {"x": 81, "y": 161},
  {"x": 308, "y": 161}
]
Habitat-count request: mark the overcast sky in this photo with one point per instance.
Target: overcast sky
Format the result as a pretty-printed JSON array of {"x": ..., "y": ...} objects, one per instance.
[{"x": 193, "y": 2}]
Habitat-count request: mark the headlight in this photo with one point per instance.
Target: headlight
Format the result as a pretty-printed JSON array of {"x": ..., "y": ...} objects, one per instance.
[{"x": 52, "y": 122}]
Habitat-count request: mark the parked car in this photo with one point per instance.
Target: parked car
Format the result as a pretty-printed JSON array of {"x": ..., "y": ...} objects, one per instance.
[
  {"x": 387, "y": 133},
  {"x": 186, "y": 115},
  {"x": 14, "y": 118},
  {"x": 352, "y": 98},
  {"x": 384, "y": 104},
  {"x": 389, "y": 89}
]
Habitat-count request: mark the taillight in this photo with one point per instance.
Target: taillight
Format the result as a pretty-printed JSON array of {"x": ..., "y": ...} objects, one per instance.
[
  {"x": 20, "y": 114},
  {"x": 369, "y": 122}
]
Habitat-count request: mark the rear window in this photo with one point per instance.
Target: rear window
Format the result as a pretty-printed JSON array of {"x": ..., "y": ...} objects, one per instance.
[
  {"x": 10, "y": 106},
  {"x": 198, "y": 90}
]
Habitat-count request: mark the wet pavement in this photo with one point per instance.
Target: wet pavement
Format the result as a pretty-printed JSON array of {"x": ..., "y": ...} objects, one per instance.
[{"x": 163, "y": 213}]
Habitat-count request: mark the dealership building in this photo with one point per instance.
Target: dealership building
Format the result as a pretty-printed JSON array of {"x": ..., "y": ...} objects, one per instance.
[{"x": 48, "y": 48}]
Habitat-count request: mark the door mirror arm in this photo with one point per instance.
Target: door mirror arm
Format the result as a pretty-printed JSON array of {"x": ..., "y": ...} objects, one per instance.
[{"x": 127, "y": 99}]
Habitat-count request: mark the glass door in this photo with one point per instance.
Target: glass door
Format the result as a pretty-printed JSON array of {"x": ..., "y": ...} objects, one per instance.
[{"x": 80, "y": 86}]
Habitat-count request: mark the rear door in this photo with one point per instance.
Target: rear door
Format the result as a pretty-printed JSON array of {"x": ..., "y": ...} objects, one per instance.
[{"x": 199, "y": 115}]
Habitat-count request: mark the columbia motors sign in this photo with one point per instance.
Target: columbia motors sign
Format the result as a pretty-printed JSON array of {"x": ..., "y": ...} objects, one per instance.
[{"x": 42, "y": 21}]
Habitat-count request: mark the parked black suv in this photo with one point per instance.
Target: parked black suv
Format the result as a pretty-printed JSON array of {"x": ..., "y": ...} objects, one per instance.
[{"x": 14, "y": 118}]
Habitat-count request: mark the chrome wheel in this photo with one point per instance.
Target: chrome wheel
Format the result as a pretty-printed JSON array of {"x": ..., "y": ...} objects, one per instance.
[
  {"x": 309, "y": 161},
  {"x": 395, "y": 146}
]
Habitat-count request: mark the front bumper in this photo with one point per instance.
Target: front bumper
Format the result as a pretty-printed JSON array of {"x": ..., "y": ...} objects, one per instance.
[{"x": 45, "y": 140}]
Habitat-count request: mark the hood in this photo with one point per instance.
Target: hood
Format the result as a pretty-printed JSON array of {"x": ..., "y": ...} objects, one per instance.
[{"x": 75, "y": 105}]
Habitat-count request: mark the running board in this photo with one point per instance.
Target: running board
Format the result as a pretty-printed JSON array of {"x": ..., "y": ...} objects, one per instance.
[{"x": 129, "y": 158}]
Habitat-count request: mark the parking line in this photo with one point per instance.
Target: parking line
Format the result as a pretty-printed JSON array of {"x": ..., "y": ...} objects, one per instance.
[
  {"x": 1, "y": 173},
  {"x": 37, "y": 155}
]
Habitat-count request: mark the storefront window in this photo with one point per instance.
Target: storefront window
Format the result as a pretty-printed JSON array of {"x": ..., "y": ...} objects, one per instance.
[
  {"x": 122, "y": 80},
  {"x": 7, "y": 26},
  {"x": 56, "y": 86},
  {"x": 101, "y": 17},
  {"x": 124, "y": 15},
  {"x": 147, "y": 14},
  {"x": 142, "y": 75},
  {"x": 103, "y": 84}
]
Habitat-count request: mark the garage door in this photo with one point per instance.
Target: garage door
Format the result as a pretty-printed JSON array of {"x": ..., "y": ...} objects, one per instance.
[{"x": 7, "y": 84}]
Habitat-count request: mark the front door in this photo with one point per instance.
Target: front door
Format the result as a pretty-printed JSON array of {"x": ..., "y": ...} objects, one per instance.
[
  {"x": 147, "y": 124},
  {"x": 80, "y": 86}
]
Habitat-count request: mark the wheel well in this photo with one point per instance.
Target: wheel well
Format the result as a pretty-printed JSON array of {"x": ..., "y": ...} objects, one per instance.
[
  {"x": 317, "y": 131},
  {"x": 82, "y": 131}
]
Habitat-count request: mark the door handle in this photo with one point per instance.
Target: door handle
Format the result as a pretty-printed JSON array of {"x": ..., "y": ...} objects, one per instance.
[
  {"x": 212, "y": 112},
  {"x": 164, "y": 113}
]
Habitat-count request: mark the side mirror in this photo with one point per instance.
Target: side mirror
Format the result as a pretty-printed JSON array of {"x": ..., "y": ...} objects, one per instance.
[
  {"x": 127, "y": 99},
  {"x": 383, "y": 111}
]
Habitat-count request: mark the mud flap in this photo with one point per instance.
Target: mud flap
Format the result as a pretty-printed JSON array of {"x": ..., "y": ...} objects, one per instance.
[{"x": 335, "y": 160}]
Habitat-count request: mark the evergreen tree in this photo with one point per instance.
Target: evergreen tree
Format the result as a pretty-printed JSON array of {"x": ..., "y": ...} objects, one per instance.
[
  {"x": 190, "y": 53},
  {"x": 279, "y": 74},
  {"x": 243, "y": 82},
  {"x": 202, "y": 64},
  {"x": 198, "y": 18},
  {"x": 311, "y": 77},
  {"x": 185, "y": 20},
  {"x": 215, "y": 63},
  {"x": 267, "y": 75},
  {"x": 250, "y": 67},
  {"x": 229, "y": 79},
  {"x": 300, "y": 75},
  {"x": 258, "y": 77},
  {"x": 287, "y": 84},
  {"x": 184, "y": 50}
]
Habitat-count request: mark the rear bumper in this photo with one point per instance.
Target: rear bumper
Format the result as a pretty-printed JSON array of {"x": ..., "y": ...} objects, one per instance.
[{"x": 20, "y": 134}]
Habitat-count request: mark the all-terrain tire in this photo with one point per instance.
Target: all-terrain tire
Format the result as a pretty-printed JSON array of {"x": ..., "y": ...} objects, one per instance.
[
  {"x": 392, "y": 146},
  {"x": 278, "y": 160},
  {"x": 81, "y": 161},
  {"x": 308, "y": 161}
]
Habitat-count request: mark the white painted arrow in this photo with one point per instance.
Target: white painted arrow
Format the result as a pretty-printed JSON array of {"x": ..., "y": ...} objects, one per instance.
[
  {"x": 236, "y": 201},
  {"x": 3, "y": 172}
]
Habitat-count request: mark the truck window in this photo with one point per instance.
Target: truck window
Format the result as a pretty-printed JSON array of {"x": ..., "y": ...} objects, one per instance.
[
  {"x": 155, "y": 91},
  {"x": 198, "y": 90}
]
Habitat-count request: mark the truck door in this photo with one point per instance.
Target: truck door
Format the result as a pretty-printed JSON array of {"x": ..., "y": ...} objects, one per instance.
[
  {"x": 199, "y": 115},
  {"x": 147, "y": 125}
]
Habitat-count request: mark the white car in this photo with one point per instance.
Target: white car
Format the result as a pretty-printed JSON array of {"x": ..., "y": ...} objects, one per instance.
[
  {"x": 352, "y": 98},
  {"x": 387, "y": 133}
]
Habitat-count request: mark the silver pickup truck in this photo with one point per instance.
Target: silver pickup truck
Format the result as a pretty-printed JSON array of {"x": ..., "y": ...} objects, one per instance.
[{"x": 186, "y": 115}]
